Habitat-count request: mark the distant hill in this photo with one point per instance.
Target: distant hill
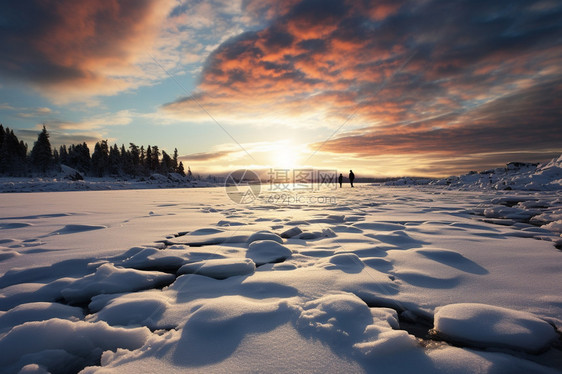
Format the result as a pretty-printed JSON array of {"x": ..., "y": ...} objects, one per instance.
[{"x": 515, "y": 176}]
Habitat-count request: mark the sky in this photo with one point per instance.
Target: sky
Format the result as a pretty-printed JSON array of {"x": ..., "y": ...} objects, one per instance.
[{"x": 386, "y": 88}]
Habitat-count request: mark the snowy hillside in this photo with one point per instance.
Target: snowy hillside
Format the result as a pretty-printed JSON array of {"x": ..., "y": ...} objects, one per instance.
[
  {"x": 378, "y": 280},
  {"x": 515, "y": 176}
]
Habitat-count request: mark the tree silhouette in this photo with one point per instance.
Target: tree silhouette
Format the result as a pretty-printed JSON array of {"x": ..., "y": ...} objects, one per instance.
[
  {"x": 41, "y": 154},
  {"x": 100, "y": 159},
  {"x": 105, "y": 160}
]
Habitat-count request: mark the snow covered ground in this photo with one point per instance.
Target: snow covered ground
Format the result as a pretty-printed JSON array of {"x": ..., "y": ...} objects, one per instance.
[
  {"x": 515, "y": 176},
  {"x": 375, "y": 279},
  {"x": 64, "y": 182}
]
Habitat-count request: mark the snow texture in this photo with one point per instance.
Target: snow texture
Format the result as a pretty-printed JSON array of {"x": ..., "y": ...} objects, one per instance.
[
  {"x": 491, "y": 326},
  {"x": 219, "y": 268},
  {"x": 110, "y": 279},
  {"x": 264, "y": 251},
  {"x": 425, "y": 279}
]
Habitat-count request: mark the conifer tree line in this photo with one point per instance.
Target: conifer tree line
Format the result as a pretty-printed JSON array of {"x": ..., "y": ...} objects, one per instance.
[{"x": 106, "y": 160}]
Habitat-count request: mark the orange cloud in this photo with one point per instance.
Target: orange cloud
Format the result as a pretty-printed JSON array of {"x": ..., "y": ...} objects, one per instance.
[
  {"x": 412, "y": 85},
  {"x": 69, "y": 50}
]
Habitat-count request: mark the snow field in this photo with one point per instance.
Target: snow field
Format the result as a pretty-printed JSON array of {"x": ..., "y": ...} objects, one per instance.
[{"x": 351, "y": 287}]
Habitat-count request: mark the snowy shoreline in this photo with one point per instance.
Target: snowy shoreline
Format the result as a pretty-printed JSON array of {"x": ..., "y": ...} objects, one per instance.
[{"x": 16, "y": 185}]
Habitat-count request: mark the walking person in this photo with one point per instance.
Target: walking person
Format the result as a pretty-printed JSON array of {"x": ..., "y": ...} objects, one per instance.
[
  {"x": 351, "y": 177},
  {"x": 340, "y": 179}
]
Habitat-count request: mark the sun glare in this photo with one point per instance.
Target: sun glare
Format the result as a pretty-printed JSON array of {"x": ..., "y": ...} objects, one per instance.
[{"x": 285, "y": 157}]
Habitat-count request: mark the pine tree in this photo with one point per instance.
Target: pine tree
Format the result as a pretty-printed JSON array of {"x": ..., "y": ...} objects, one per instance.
[
  {"x": 56, "y": 158},
  {"x": 135, "y": 154},
  {"x": 142, "y": 157},
  {"x": 181, "y": 170},
  {"x": 2, "y": 135},
  {"x": 63, "y": 154},
  {"x": 5, "y": 163},
  {"x": 100, "y": 159},
  {"x": 105, "y": 160},
  {"x": 132, "y": 160},
  {"x": 155, "y": 161},
  {"x": 166, "y": 165},
  {"x": 114, "y": 162},
  {"x": 148, "y": 159},
  {"x": 13, "y": 154},
  {"x": 175, "y": 160},
  {"x": 84, "y": 161},
  {"x": 41, "y": 154}
]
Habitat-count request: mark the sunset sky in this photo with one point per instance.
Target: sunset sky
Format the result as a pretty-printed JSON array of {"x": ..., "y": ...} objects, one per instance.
[{"x": 385, "y": 88}]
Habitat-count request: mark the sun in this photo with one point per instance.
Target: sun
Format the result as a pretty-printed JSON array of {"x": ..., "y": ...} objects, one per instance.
[{"x": 285, "y": 157}]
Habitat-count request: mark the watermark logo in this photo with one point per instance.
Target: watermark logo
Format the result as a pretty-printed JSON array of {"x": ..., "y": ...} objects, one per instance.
[
  {"x": 243, "y": 186},
  {"x": 282, "y": 186},
  {"x": 301, "y": 180}
]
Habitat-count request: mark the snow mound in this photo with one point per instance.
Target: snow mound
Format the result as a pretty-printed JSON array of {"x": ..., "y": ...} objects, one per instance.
[
  {"x": 515, "y": 176},
  {"x": 340, "y": 316},
  {"x": 348, "y": 262},
  {"x": 294, "y": 231},
  {"x": 267, "y": 251},
  {"x": 64, "y": 346},
  {"x": 73, "y": 229},
  {"x": 71, "y": 173},
  {"x": 206, "y": 231},
  {"x": 152, "y": 258},
  {"x": 346, "y": 322},
  {"x": 265, "y": 235},
  {"x": 554, "y": 226},
  {"x": 143, "y": 309},
  {"x": 110, "y": 279},
  {"x": 220, "y": 268},
  {"x": 7, "y": 254},
  {"x": 217, "y": 326},
  {"x": 325, "y": 233},
  {"x": 492, "y": 326},
  {"x": 39, "y": 311},
  {"x": 15, "y": 295}
]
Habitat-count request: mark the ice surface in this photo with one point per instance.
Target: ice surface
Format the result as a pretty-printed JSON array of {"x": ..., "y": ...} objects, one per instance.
[{"x": 166, "y": 281}]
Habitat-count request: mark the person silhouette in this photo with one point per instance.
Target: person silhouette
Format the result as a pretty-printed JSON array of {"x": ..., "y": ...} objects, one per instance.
[
  {"x": 340, "y": 179},
  {"x": 351, "y": 177}
]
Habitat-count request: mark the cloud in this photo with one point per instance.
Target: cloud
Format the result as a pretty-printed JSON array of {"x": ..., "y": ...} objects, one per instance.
[
  {"x": 75, "y": 50},
  {"x": 58, "y": 138},
  {"x": 524, "y": 121},
  {"x": 120, "y": 118},
  {"x": 392, "y": 77},
  {"x": 404, "y": 76},
  {"x": 440, "y": 167},
  {"x": 90, "y": 130},
  {"x": 24, "y": 112},
  {"x": 206, "y": 156}
]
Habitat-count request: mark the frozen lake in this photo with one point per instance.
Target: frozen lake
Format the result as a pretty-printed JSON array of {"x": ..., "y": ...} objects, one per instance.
[{"x": 371, "y": 279}]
